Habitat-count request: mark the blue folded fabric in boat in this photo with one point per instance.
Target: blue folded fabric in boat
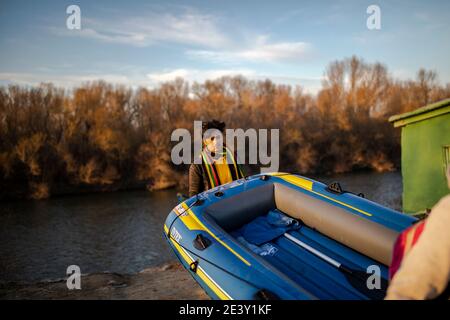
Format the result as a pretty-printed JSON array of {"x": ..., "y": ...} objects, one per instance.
[
  {"x": 266, "y": 228},
  {"x": 279, "y": 219},
  {"x": 265, "y": 250}
]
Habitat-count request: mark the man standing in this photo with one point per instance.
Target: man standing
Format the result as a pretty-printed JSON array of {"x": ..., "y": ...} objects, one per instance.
[{"x": 218, "y": 165}]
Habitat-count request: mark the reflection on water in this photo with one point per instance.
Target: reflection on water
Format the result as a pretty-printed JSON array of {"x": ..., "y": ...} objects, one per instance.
[{"x": 118, "y": 232}]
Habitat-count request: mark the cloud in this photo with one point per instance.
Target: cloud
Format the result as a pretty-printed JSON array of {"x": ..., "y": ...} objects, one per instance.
[
  {"x": 152, "y": 80},
  {"x": 196, "y": 74},
  {"x": 149, "y": 80},
  {"x": 190, "y": 27},
  {"x": 311, "y": 85},
  {"x": 261, "y": 51},
  {"x": 199, "y": 32},
  {"x": 66, "y": 81},
  {"x": 136, "y": 39},
  {"x": 275, "y": 51}
]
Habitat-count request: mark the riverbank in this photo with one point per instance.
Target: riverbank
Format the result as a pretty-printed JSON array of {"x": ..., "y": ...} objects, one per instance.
[{"x": 167, "y": 282}]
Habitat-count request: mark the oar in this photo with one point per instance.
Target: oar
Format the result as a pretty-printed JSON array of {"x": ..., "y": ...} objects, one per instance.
[{"x": 357, "y": 278}]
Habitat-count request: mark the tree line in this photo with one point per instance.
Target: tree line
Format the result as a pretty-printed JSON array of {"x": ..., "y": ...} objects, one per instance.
[{"x": 101, "y": 136}]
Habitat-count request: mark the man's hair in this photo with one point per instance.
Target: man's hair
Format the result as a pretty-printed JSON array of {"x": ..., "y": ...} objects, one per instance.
[{"x": 213, "y": 124}]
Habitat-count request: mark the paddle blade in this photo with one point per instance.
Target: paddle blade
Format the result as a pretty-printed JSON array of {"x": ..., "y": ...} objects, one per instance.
[{"x": 361, "y": 282}]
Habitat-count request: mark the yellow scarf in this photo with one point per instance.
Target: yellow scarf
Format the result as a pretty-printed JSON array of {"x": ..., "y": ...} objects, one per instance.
[
  {"x": 220, "y": 172},
  {"x": 223, "y": 170}
]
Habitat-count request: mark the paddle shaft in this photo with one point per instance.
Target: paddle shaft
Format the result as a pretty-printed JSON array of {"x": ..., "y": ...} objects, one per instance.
[
  {"x": 360, "y": 275},
  {"x": 319, "y": 254}
]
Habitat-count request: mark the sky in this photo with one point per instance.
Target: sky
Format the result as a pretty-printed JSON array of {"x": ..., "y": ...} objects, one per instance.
[{"x": 144, "y": 43}]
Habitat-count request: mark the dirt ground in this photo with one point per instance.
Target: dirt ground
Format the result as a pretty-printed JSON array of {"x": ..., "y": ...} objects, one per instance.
[{"x": 168, "y": 282}]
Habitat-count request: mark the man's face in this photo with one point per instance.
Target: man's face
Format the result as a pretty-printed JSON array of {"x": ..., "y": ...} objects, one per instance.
[{"x": 214, "y": 142}]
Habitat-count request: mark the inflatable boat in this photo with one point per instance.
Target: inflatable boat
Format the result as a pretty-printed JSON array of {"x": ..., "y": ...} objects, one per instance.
[{"x": 284, "y": 236}]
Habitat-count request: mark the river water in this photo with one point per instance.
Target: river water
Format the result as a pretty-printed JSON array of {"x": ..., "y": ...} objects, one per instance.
[{"x": 116, "y": 232}]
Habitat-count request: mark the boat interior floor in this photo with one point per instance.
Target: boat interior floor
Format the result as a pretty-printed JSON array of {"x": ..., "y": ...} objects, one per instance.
[{"x": 320, "y": 278}]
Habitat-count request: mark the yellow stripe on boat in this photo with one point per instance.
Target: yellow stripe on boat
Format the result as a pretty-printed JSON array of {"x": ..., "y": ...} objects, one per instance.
[
  {"x": 298, "y": 181},
  {"x": 193, "y": 223},
  {"x": 187, "y": 218},
  {"x": 308, "y": 185},
  {"x": 203, "y": 227},
  {"x": 200, "y": 272}
]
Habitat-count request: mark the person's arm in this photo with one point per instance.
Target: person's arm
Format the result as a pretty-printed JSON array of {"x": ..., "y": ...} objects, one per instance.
[
  {"x": 425, "y": 271},
  {"x": 195, "y": 180}
]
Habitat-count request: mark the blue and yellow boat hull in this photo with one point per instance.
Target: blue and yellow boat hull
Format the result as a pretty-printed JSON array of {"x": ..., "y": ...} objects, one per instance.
[{"x": 342, "y": 225}]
